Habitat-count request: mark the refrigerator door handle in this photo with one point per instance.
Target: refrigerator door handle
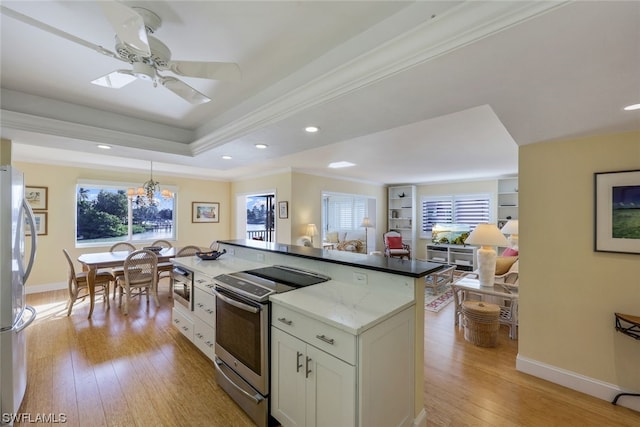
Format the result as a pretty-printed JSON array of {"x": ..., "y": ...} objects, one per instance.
[
  {"x": 30, "y": 219},
  {"x": 24, "y": 325}
]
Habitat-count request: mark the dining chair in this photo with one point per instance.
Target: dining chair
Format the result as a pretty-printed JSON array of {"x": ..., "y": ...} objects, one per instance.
[
  {"x": 162, "y": 243},
  {"x": 140, "y": 273},
  {"x": 119, "y": 271},
  {"x": 78, "y": 281}
]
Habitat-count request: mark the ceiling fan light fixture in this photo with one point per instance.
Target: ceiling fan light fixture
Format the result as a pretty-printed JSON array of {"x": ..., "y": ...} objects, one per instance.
[{"x": 144, "y": 71}]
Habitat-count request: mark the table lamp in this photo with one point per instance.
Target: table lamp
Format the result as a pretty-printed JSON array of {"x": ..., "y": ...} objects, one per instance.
[
  {"x": 511, "y": 228},
  {"x": 312, "y": 230},
  {"x": 486, "y": 236},
  {"x": 366, "y": 223}
]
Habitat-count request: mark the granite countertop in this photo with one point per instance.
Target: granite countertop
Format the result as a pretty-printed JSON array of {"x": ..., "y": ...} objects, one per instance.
[
  {"x": 351, "y": 308},
  {"x": 411, "y": 268}
]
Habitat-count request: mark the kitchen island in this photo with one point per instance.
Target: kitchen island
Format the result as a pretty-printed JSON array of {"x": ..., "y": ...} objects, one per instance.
[{"x": 365, "y": 366}]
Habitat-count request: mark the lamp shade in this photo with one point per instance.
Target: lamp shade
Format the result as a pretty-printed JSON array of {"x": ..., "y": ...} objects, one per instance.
[
  {"x": 511, "y": 227},
  {"x": 366, "y": 222},
  {"x": 312, "y": 230},
  {"x": 486, "y": 235}
]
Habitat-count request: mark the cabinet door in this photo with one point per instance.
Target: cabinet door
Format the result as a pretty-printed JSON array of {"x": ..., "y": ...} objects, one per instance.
[
  {"x": 330, "y": 390},
  {"x": 287, "y": 379}
]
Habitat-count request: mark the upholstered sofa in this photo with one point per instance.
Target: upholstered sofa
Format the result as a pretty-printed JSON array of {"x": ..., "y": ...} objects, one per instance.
[{"x": 351, "y": 241}]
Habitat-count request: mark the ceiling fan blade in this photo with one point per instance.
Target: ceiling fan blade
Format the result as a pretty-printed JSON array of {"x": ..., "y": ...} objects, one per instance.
[
  {"x": 44, "y": 27},
  {"x": 116, "y": 79},
  {"x": 207, "y": 70},
  {"x": 129, "y": 26},
  {"x": 183, "y": 90}
]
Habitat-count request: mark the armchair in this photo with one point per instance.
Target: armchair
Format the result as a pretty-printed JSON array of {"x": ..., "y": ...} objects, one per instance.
[{"x": 394, "y": 247}]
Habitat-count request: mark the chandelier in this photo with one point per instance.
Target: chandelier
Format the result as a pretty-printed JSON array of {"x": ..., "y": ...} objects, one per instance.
[{"x": 145, "y": 195}]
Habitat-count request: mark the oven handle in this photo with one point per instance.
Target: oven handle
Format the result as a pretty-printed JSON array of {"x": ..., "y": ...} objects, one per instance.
[
  {"x": 238, "y": 304},
  {"x": 257, "y": 398}
]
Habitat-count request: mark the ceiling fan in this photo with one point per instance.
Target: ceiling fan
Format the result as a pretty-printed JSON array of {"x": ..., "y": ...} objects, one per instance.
[{"x": 147, "y": 55}]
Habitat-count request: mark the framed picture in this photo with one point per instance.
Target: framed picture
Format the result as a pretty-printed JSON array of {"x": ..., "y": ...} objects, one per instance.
[
  {"x": 40, "y": 220},
  {"x": 617, "y": 211},
  {"x": 283, "y": 210},
  {"x": 205, "y": 212},
  {"x": 37, "y": 197}
]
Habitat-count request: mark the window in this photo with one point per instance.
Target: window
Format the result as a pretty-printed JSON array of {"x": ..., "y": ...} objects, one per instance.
[
  {"x": 343, "y": 212},
  {"x": 105, "y": 215},
  {"x": 472, "y": 209}
]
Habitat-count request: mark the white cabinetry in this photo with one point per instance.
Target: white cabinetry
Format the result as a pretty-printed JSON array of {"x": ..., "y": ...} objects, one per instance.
[
  {"x": 402, "y": 212},
  {"x": 198, "y": 325},
  {"x": 463, "y": 257},
  {"x": 322, "y": 375},
  {"x": 204, "y": 306},
  {"x": 507, "y": 200}
]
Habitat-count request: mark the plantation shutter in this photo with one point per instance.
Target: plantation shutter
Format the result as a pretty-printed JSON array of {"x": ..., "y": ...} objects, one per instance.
[
  {"x": 436, "y": 211},
  {"x": 471, "y": 210}
]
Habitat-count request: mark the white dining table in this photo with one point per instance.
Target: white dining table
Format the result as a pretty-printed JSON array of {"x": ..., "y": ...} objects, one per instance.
[{"x": 97, "y": 260}]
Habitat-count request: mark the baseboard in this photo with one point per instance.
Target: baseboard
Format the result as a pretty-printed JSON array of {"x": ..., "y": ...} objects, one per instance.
[
  {"x": 577, "y": 382},
  {"x": 421, "y": 419},
  {"x": 34, "y": 289}
]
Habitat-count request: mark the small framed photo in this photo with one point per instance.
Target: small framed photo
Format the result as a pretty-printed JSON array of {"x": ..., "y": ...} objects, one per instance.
[
  {"x": 205, "y": 212},
  {"x": 37, "y": 197},
  {"x": 617, "y": 211},
  {"x": 40, "y": 224},
  {"x": 283, "y": 210}
]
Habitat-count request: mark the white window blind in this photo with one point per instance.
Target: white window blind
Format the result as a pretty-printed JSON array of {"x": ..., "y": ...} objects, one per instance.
[{"x": 470, "y": 209}]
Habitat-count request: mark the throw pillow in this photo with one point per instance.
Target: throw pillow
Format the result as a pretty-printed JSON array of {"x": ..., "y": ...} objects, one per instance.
[
  {"x": 510, "y": 252},
  {"x": 504, "y": 263},
  {"x": 394, "y": 242}
]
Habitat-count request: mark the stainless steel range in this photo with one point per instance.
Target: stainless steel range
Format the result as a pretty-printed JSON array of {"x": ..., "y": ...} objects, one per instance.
[{"x": 242, "y": 332}]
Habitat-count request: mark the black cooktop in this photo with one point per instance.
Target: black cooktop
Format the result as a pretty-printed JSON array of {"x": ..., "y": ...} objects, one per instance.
[
  {"x": 259, "y": 283},
  {"x": 288, "y": 275}
]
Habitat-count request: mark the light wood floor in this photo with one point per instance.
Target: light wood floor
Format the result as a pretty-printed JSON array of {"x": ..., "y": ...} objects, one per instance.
[{"x": 137, "y": 370}]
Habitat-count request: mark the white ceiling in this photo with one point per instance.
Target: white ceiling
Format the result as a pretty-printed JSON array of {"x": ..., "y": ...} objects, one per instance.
[{"x": 412, "y": 92}]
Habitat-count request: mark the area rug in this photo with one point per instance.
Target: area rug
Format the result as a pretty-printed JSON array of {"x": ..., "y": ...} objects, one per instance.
[{"x": 439, "y": 301}]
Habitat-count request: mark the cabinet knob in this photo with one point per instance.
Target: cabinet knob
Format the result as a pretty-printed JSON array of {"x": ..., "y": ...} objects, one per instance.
[
  {"x": 298, "y": 364},
  {"x": 325, "y": 339},
  {"x": 285, "y": 321},
  {"x": 308, "y": 370}
]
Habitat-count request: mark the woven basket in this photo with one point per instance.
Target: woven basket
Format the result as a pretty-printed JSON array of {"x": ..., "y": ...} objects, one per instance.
[{"x": 480, "y": 320}]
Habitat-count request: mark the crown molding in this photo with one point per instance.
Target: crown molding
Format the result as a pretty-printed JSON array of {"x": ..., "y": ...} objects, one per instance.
[
  {"x": 11, "y": 120},
  {"x": 458, "y": 27}
]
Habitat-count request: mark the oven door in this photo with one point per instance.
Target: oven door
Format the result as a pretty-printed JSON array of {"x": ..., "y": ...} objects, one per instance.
[{"x": 242, "y": 337}]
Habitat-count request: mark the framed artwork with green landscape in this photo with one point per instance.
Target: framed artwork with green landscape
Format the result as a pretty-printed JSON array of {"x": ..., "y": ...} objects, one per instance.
[{"x": 617, "y": 211}]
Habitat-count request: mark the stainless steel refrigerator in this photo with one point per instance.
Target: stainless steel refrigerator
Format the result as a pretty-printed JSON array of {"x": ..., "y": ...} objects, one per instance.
[{"x": 15, "y": 266}]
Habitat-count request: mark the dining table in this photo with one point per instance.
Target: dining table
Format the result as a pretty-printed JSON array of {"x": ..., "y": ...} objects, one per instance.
[{"x": 97, "y": 260}]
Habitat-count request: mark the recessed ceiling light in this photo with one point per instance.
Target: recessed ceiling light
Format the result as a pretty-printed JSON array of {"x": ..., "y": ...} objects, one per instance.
[
  {"x": 104, "y": 147},
  {"x": 261, "y": 146},
  {"x": 312, "y": 129},
  {"x": 336, "y": 165},
  {"x": 227, "y": 157},
  {"x": 632, "y": 107}
]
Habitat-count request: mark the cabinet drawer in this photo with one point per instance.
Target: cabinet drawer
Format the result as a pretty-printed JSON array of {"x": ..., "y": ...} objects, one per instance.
[
  {"x": 204, "y": 337},
  {"x": 203, "y": 282},
  {"x": 204, "y": 306},
  {"x": 183, "y": 323},
  {"x": 328, "y": 338}
]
